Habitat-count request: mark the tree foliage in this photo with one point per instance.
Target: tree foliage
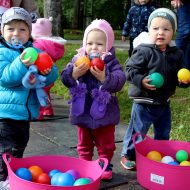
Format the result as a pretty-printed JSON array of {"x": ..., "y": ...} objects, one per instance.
[{"x": 79, "y": 13}]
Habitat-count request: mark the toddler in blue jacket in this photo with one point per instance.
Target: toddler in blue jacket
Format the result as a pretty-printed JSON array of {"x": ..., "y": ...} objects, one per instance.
[{"x": 18, "y": 105}]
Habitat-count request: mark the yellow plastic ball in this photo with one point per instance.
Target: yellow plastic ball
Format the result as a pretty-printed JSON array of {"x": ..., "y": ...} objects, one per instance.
[
  {"x": 183, "y": 74},
  {"x": 185, "y": 163},
  {"x": 154, "y": 155}
]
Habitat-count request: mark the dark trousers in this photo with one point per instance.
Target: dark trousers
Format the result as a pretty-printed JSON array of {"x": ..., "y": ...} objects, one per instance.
[
  {"x": 183, "y": 32},
  {"x": 14, "y": 136},
  {"x": 130, "y": 47}
]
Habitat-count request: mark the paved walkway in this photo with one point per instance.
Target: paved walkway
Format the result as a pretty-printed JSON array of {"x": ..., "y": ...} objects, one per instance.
[{"x": 56, "y": 136}]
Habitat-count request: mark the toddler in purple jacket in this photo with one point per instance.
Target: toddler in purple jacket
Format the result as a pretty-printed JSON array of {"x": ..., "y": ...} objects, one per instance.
[{"x": 94, "y": 105}]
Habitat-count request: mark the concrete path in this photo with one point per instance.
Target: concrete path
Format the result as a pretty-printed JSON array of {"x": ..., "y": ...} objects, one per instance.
[{"x": 56, "y": 136}]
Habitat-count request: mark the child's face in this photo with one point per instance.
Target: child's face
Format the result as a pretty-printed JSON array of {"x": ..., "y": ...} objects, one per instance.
[
  {"x": 96, "y": 42},
  {"x": 161, "y": 32},
  {"x": 143, "y": 2},
  {"x": 17, "y": 29}
]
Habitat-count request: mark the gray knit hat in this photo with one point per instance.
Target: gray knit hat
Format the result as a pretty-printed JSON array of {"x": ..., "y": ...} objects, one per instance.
[
  {"x": 16, "y": 13},
  {"x": 164, "y": 13}
]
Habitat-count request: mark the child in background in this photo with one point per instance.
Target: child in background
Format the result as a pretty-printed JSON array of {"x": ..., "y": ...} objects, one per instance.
[
  {"x": 94, "y": 105},
  {"x": 136, "y": 21},
  {"x": 28, "y": 5},
  {"x": 18, "y": 105},
  {"x": 53, "y": 46},
  {"x": 154, "y": 53}
]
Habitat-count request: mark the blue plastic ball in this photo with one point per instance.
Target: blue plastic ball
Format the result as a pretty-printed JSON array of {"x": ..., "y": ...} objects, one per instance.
[
  {"x": 174, "y": 163},
  {"x": 24, "y": 173},
  {"x": 62, "y": 179},
  {"x": 52, "y": 172},
  {"x": 54, "y": 179}
]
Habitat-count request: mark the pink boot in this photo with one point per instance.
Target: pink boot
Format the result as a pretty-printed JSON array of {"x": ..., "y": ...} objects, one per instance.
[{"x": 48, "y": 111}]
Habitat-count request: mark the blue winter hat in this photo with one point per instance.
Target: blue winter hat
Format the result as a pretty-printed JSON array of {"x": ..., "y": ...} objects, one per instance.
[{"x": 164, "y": 13}]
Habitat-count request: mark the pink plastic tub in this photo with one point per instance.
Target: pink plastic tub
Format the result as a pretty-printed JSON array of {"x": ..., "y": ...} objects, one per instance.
[
  {"x": 156, "y": 175},
  {"x": 90, "y": 169}
]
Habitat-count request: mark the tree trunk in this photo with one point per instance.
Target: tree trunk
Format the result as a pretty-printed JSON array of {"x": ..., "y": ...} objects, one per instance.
[
  {"x": 53, "y": 8},
  {"x": 78, "y": 16},
  {"x": 76, "y": 6}
]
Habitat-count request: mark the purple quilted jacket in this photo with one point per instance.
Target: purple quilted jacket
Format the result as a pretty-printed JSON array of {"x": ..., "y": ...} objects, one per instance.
[{"x": 115, "y": 80}]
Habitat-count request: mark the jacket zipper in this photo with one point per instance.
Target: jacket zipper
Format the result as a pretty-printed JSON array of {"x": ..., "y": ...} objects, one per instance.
[{"x": 29, "y": 113}]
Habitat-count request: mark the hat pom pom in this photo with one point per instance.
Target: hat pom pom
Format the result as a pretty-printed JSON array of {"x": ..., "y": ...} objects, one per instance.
[{"x": 51, "y": 18}]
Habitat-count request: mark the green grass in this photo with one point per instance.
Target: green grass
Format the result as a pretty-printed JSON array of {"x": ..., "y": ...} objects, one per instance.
[{"x": 180, "y": 102}]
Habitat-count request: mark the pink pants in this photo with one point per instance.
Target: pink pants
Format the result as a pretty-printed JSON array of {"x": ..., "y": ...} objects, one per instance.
[
  {"x": 102, "y": 138},
  {"x": 48, "y": 108}
]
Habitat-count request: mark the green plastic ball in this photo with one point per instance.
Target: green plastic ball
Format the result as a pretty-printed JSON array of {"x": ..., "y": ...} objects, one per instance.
[
  {"x": 156, "y": 79},
  {"x": 181, "y": 155},
  {"x": 82, "y": 181},
  {"x": 31, "y": 52}
]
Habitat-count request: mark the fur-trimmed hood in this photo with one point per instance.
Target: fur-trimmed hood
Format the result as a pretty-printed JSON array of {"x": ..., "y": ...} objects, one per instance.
[{"x": 143, "y": 38}]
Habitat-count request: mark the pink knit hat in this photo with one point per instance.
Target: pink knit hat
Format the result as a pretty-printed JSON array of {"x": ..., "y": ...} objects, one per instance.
[
  {"x": 104, "y": 26},
  {"x": 42, "y": 27}
]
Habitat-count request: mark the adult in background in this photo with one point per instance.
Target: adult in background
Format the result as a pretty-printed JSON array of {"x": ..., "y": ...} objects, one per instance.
[{"x": 183, "y": 31}]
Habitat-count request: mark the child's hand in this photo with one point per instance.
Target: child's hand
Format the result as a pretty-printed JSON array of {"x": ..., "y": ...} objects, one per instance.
[
  {"x": 46, "y": 71},
  {"x": 176, "y": 3},
  {"x": 25, "y": 61},
  {"x": 80, "y": 70},
  {"x": 123, "y": 38},
  {"x": 146, "y": 85},
  {"x": 98, "y": 74},
  {"x": 184, "y": 82}
]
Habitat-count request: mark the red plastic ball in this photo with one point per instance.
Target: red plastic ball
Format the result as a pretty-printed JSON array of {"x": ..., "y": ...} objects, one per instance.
[
  {"x": 43, "y": 178},
  {"x": 43, "y": 61},
  {"x": 35, "y": 171},
  {"x": 98, "y": 63}
]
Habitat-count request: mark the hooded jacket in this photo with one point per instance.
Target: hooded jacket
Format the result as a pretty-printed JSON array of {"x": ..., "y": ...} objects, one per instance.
[
  {"x": 18, "y": 102},
  {"x": 53, "y": 46},
  {"x": 146, "y": 59},
  {"x": 137, "y": 20},
  {"x": 115, "y": 80}
]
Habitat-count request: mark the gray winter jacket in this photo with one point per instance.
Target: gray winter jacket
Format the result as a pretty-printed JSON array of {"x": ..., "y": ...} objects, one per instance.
[{"x": 146, "y": 59}]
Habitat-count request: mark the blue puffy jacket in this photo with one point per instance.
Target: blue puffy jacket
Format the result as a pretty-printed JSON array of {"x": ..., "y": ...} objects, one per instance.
[
  {"x": 115, "y": 80},
  {"x": 16, "y": 101}
]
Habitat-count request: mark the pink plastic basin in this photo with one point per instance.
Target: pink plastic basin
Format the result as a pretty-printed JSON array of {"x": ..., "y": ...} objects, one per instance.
[{"x": 91, "y": 169}]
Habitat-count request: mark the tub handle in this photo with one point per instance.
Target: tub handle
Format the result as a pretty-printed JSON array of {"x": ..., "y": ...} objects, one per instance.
[
  {"x": 139, "y": 134},
  {"x": 7, "y": 158}
]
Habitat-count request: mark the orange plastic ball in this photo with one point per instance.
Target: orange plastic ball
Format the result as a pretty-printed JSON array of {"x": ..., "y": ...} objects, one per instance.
[
  {"x": 43, "y": 62},
  {"x": 35, "y": 171},
  {"x": 154, "y": 155},
  {"x": 81, "y": 60}
]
